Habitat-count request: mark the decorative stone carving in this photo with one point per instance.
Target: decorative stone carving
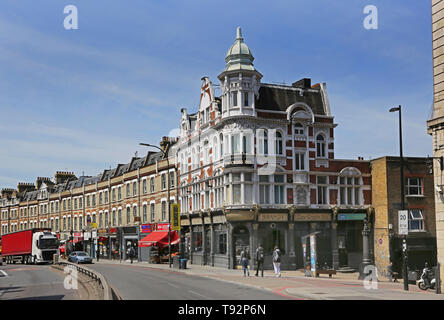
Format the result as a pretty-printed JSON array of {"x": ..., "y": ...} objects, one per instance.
[{"x": 301, "y": 195}]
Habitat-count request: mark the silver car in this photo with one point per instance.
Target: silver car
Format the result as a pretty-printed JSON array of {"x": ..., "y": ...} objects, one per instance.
[{"x": 79, "y": 257}]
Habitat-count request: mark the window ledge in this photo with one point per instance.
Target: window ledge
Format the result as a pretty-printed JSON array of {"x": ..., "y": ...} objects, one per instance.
[{"x": 414, "y": 196}]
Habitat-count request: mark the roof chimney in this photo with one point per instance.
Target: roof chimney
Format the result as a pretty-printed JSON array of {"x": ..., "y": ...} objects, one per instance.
[{"x": 303, "y": 83}]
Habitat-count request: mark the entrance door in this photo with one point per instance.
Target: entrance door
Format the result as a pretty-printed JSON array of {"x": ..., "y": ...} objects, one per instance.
[{"x": 241, "y": 240}]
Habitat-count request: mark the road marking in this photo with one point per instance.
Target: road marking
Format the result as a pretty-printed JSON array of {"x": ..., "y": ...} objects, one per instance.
[
  {"x": 4, "y": 273},
  {"x": 198, "y": 294},
  {"x": 173, "y": 285}
]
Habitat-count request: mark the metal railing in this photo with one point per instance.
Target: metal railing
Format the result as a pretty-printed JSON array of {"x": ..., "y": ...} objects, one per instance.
[{"x": 107, "y": 290}]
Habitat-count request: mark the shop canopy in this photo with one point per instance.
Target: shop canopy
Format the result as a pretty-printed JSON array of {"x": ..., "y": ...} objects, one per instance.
[{"x": 159, "y": 239}]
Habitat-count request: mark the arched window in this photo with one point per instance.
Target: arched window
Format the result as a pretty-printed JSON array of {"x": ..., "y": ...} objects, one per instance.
[
  {"x": 350, "y": 182},
  {"x": 263, "y": 142},
  {"x": 221, "y": 143},
  {"x": 278, "y": 143},
  {"x": 320, "y": 146}
]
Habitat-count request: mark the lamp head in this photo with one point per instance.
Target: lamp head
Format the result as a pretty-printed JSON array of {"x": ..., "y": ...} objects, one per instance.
[{"x": 394, "y": 109}]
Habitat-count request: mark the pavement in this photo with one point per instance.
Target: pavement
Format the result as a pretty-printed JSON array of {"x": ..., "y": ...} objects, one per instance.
[{"x": 293, "y": 284}]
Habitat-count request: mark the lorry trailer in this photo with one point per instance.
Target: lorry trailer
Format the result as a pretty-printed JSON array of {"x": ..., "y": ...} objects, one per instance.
[{"x": 34, "y": 246}]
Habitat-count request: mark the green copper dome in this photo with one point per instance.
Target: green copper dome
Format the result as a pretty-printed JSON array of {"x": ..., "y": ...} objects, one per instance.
[{"x": 239, "y": 56}]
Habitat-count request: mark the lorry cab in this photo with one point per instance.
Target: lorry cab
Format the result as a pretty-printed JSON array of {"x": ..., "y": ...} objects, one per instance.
[{"x": 44, "y": 245}]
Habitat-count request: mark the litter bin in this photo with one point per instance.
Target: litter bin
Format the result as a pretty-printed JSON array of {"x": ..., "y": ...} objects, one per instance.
[{"x": 183, "y": 263}]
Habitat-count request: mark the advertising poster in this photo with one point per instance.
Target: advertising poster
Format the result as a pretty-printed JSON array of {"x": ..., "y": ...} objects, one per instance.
[{"x": 313, "y": 253}]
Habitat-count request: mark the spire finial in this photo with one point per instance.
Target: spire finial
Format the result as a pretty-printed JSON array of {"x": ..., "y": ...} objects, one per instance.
[{"x": 239, "y": 33}]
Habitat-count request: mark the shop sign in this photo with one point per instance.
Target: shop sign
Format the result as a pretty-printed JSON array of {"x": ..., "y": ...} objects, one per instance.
[
  {"x": 175, "y": 217},
  {"x": 163, "y": 226},
  {"x": 94, "y": 225},
  {"x": 113, "y": 230},
  {"x": 102, "y": 231},
  {"x": 273, "y": 217},
  {"x": 351, "y": 216},
  {"x": 77, "y": 234},
  {"x": 312, "y": 217},
  {"x": 147, "y": 228}
]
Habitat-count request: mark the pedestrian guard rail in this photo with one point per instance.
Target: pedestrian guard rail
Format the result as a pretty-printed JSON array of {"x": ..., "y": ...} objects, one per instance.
[{"x": 108, "y": 293}]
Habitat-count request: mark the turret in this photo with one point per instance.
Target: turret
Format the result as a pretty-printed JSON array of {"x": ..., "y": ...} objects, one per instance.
[{"x": 240, "y": 81}]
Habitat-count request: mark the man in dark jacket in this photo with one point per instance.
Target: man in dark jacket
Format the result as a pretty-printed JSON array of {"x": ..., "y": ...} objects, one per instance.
[
  {"x": 131, "y": 254},
  {"x": 260, "y": 260}
]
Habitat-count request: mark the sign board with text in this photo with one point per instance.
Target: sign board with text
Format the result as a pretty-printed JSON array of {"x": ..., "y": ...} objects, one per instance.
[
  {"x": 403, "y": 222},
  {"x": 175, "y": 217}
]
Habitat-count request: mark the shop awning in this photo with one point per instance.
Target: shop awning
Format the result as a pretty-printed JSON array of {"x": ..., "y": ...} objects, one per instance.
[{"x": 159, "y": 239}]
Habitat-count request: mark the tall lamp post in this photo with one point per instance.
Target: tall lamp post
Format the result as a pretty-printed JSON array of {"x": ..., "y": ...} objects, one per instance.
[
  {"x": 401, "y": 162},
  {"x": 169, "y": 206}
]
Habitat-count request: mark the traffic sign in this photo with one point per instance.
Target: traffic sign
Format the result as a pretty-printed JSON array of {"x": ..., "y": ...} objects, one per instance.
[{"x": 403, "y": 222}]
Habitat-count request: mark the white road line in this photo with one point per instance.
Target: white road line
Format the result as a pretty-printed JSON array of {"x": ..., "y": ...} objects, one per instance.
[
  {"x": 4, "y": 273},
  {"x": 198, "y": 294},
  {"x": 173, "y": 285}
]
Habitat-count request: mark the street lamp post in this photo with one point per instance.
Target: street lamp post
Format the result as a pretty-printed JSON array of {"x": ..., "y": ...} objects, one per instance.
[
  {"x": 169, "y": 205},
  {"x": 401, "y": 162}
]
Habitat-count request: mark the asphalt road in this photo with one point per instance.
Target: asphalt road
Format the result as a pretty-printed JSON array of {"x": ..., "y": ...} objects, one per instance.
[
  {"x": 144, "y": 283},
  {"x": 33, "y": 282}
]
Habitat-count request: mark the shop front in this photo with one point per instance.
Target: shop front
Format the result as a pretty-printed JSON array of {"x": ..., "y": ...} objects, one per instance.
[
  {"x": 349, "y": 235},
  {"x": 130, "y": 239},
  {"x": 157, "y": 243}
]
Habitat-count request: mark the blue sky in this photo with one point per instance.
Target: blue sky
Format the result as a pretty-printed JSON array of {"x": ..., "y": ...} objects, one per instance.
[{"x": 82, "y": 100}]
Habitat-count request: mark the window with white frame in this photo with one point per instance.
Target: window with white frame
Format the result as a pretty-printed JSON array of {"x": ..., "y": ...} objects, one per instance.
[
  {"x": 145, "y": 212},
  {"x": 321, "y": 189},
  {"x": 299, "y": 161},
  {"x": 320, "y": 146},
  {"x": 163, "y": 181},
  {"x": 128, "y": 215},
  {"x": 163, "y": 210},
  {"x": 263, "y": 141},
  {"x": 298, "y": 129},
  {"x": 152, "y": 184},
  {"x": 416, "y": 220},
  {"x": 235, "y": 143},
  {"x": 128, "y": 190},
  {"x": 246, "y": 143},
  {"x": 264, "y": 189},
  {"x": 134, "y": 188},
  {"x": 279, "y": 189},
  {"x": 414, "y": 187},
  {"x": 152, "y": 209},
  {"x": 278, "y": 143},
  {"x": 144, "y": 186}
]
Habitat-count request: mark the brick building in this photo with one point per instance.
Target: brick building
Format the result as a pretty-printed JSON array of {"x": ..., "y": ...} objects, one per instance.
[
  {"x": 435, "y": 126},
  {"x": 256, "y": 165},
  {"x": 420, "y": 203},
  {"x": 118, "y": 200}
]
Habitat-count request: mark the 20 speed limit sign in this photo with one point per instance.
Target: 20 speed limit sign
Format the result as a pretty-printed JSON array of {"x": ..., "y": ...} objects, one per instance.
[{"x": 403, "y": 222}]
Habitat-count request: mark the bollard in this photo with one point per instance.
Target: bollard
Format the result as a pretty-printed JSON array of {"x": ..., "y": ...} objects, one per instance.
[{"x": 437, "y": 279}]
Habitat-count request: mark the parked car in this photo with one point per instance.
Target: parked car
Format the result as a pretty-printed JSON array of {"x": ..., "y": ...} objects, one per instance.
[{"x": 79, "y": 257}]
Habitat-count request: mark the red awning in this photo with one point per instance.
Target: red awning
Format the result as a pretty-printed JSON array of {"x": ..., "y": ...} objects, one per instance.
[{"x": 159, "y": 239}]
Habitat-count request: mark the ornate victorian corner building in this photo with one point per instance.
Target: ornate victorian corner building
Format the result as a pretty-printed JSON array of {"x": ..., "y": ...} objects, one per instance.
[{"x": 256, "y": 166}]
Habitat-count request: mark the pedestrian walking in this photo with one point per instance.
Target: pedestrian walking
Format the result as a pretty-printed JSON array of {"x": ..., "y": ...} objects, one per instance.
[
  {"x": 277, "y": 261},
  {"x": 131, "y": 254},
  {"x": 244, "y": 257},
  {"x": 260, "y": 260}
]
